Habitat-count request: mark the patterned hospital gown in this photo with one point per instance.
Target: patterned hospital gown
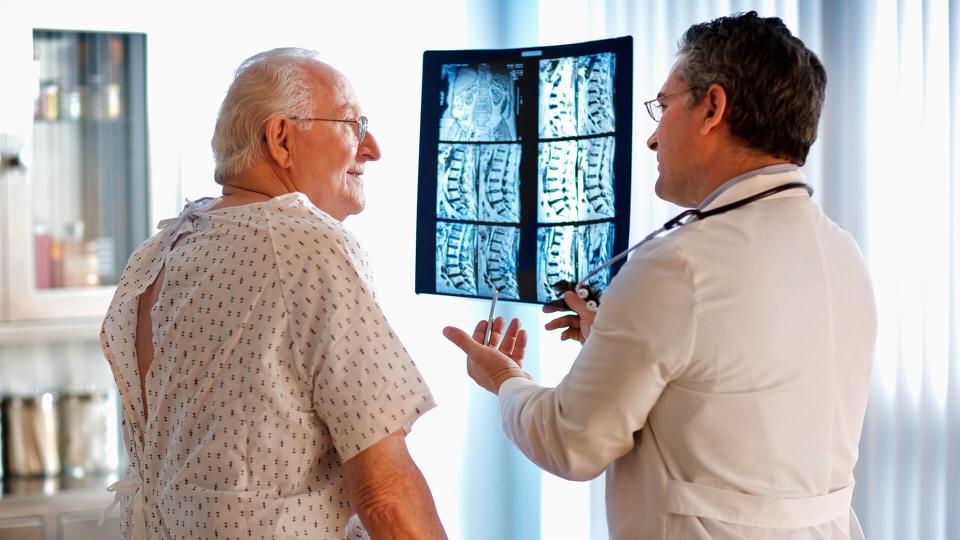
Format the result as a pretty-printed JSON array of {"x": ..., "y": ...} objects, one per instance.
[{"x": 273, "y": 364}]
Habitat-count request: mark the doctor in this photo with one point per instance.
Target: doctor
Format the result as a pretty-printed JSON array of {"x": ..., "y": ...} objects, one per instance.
[{"x": 722, "y": 383}]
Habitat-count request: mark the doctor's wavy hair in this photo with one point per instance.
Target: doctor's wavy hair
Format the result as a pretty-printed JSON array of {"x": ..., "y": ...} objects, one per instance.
[
  {"x": 775, "y": 85},
  {"x": 265, "y": 84}
]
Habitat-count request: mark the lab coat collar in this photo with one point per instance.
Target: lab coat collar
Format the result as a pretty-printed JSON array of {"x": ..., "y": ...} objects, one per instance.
[{"x": 753, "y": 182}]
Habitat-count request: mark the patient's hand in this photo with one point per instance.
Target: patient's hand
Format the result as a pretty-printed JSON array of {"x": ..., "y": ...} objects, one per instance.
[{"x": 490, "y": 365}]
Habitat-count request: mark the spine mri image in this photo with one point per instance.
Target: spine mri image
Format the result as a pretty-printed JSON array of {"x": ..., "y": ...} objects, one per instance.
[
  {"x": 457, "y": 181},
  {"x": 473, "y": 260},
  {"x": 525, "y": 143},
  {"x": 568, "y": 252},
  {"x": 456, "y": 258},
  {"x": 576, "y": 96}
]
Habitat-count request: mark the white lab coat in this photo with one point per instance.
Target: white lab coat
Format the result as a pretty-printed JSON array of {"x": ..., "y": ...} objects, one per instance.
[{"x": 724, "y": 384}]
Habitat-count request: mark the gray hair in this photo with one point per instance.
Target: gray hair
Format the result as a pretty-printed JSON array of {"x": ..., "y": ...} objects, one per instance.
[
  {"x": 775, "y": 86},
  {"x": 265, "y": 84}
]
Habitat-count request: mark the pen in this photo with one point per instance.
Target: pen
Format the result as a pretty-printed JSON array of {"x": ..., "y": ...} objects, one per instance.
[{"x": 493, "y": 307}]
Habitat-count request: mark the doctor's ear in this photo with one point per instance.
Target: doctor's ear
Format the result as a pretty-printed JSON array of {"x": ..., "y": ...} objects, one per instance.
[
  {"x": 715, "y": 101},
  {"x": 278, "y": 140}
]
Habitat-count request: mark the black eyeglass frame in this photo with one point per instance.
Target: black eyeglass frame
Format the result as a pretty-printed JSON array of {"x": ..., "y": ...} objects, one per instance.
[
  {"x": 361, "y": 124},
  {"x": 655, "y": 106}
]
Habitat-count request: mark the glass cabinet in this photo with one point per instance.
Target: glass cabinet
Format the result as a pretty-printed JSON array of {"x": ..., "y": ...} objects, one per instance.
[{"x": 75, "y": 192}]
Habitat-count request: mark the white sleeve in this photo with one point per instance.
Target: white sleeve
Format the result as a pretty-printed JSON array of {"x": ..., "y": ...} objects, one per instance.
[{"x": 641, "y": 339}]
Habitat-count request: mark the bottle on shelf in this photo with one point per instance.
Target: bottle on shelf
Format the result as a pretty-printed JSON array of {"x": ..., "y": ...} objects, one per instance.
[
  {"x": 80, "y": 260},
  {"x": 42, "y": 246}
]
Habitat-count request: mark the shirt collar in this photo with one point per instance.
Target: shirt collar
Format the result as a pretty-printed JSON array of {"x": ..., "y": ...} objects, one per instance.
[{"x": 739, "y": 181}]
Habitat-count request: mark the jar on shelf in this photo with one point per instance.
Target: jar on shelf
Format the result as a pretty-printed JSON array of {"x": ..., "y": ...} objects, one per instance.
[{"x": 30, "y": 435}]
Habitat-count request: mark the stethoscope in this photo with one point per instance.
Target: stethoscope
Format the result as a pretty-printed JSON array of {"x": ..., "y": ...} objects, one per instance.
[{"x": 593, "y": 297}]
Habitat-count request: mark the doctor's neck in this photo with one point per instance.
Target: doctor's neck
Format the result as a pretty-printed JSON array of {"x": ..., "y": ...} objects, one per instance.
[{"x": 732, "y": 165}]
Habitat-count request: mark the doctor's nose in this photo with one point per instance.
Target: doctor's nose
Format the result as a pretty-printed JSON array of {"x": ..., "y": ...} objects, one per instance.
[{"x": 652, "y": 141}]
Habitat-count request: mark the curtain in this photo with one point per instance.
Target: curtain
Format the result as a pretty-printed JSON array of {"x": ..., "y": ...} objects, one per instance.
[{"x": 885, "y": 168}]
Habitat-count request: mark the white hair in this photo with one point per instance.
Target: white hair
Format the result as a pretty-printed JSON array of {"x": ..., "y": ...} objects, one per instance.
[{"x": 268, "y": 83}]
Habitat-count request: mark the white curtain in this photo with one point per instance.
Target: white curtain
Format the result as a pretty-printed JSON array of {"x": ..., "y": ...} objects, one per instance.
[{"x": 885, "y": 167}]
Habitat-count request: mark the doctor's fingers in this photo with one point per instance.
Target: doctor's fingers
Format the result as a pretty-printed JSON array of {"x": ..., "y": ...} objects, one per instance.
[
  {"x": 577, "y": 304},
  {"x": 567, "y": 321},
  {"x": 571, "y": 333},
  {"x": 547, "y": 308}
]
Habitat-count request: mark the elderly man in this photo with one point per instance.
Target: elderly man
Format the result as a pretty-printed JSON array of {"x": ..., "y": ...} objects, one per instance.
[
  {"x": 723, "y": 383},
  {"x": 264, "y": 393}
]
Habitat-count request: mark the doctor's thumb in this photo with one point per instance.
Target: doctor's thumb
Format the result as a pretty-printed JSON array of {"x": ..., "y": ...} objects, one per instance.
[
  {"x": 577, "y": 304},
  {"x": 461, "y": 339}
]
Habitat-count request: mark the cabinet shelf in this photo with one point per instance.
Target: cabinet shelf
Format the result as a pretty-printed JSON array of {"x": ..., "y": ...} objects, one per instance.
[{"x": 50, "y": 331}]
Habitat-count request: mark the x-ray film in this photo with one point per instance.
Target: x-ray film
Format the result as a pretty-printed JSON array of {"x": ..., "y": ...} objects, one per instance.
[
  {"x": 595, "y": 178},
  {"x": 556, "y": 259},
  {"x": 456, "y": 258},
  {"x": 569, "y": 252},
  {"x": 479, "y": 102},
  {"x": 576, "y": 96},
  {"x": 575, "y": 180},
  {"x": 595, "y": 94},
  {"x": 497, "y": 261},
  {"x": 499, "y": 189},
  {"x": 524, "y": 168},
  {"x": 557, "y": 182},
  {"x": 457, "y": 181},
  {"x": 594, "y": 247},
  {"x": 558, "y": 98}
]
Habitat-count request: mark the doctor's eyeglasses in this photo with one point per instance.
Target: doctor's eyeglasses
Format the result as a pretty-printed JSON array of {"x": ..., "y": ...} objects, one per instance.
[
  {"x": 655, "y": 106},
  {"x": 361, "y": 124}
]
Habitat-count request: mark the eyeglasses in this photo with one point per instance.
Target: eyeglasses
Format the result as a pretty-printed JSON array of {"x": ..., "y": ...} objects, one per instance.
[
  {"x": 361, "y": 124},
  {"x": 655, "y": 106}
]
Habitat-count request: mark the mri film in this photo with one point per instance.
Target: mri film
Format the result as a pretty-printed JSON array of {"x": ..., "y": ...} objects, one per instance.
[
  {"x": 595, "y": 112},
  {"x": 456, "y": 258},
  {"x": 595, "y": 178},
  {"x": 557, "y": 182},
  {"x": 497, "y": 261},
  {"x": 558, "y": 98},
  {"x": 479, "y": 102},
  {"x": 499, "y": 174},
  {"x": 524, "y": 168},
  {"x": 456, "y": 181},
  {"x": 555, "y": 259},
  {"x": 594, "y": 247}
]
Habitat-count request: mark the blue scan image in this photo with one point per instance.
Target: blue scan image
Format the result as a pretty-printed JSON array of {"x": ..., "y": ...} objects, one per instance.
[
  {"x": 456, "y": 258},
  {"x": 595, "y": 191},
  {"x": 499, "y": 175},
  {"x": 558, "y": 98},
  {"x": 555, "y": 259},
  {"x": 457, "y": 181},
  {"x": 557, "y": 182},
  {"x": 595, "y": 112},
  {"x": 595, "y": 247},
  {"x": 478, "y": 103},
  {"x": 497, "y": 261}
]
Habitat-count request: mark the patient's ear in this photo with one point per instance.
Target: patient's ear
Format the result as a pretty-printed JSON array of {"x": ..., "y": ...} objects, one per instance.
[
  {"x": 715, "y": 103},
  {"x": 279, "y": 143}
]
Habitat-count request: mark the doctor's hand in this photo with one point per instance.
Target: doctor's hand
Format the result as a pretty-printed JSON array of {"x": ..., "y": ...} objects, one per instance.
[
  {"x": 576, "y": 326},
  {"x": 490, "y": 365}
]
